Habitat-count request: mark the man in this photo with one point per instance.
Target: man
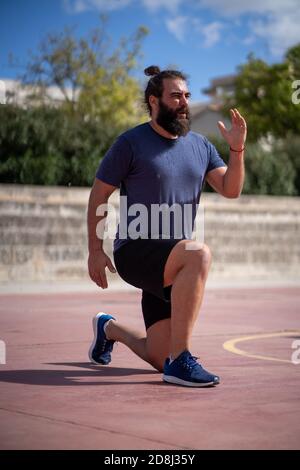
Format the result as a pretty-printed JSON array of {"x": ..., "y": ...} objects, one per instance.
[{"x": 161, "y": 162}]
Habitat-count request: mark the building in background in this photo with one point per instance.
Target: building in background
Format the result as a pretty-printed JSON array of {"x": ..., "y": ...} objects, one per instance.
[
  {"x": 23, "y": 95},
  {"x": 206, "y": 115}
]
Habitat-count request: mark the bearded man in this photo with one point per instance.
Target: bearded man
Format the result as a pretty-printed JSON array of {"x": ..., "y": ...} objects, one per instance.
[{"x": 161, "y": 162}]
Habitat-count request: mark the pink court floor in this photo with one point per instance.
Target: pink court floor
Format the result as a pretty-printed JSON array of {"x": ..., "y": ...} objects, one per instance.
[{"x": 51, "y": 397}]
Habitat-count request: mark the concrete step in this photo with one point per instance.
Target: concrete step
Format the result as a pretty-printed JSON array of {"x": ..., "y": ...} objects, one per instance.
[{"x": 43, "y": 234}]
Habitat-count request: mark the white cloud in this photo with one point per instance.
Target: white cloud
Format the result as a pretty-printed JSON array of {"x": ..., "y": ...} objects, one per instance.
[
  {"x": 211, "y": 33},
  {"x": 177, "y": 26},
  {"x": 248, "y": 40},
  {"x": 154, "y": 5},
  {"x": 240, "y": 7},
  {"x": 277, "y": 23},
  {"x": 78, "y": 6},
  {"x": 280, "y": 33}
]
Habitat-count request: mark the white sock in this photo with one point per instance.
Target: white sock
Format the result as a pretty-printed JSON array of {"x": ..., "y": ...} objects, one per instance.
[
  {"x": 171, "y": 360},
  {"x": 105, "y": 326}
]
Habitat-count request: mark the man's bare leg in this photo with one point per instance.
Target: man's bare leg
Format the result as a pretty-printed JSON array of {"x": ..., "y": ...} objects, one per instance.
[
  {"x": 153, "y": 348},
  {"x": 133, "y": 339},
  {"x": 187, "y": 270}
]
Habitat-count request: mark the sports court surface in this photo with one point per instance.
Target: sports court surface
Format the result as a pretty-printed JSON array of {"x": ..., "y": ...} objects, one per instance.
[{"x": 51, "y": 397}]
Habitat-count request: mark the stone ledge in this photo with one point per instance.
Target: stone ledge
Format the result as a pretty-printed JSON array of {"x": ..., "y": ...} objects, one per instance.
[
  {"x": 57, "y": 195},
  {"x": 43, "y": 234}
]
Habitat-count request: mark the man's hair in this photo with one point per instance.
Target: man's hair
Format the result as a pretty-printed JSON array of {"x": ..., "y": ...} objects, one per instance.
[{"x": 155, "y": 84}]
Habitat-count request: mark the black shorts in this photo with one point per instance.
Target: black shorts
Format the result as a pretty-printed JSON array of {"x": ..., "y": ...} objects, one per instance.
[{"x": 141, "y": 263}]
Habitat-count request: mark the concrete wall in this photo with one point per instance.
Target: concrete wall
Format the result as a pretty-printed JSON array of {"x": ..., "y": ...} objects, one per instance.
[{"x": 43, "y": 235}]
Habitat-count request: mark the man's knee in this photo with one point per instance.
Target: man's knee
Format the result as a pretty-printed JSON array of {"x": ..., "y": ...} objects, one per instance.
[
  {"x": 157, "y": 361},
  {"x": 199, "y": 256},
  {"x": 204, "y": 255},
  {"x": 187, "y": 252}
]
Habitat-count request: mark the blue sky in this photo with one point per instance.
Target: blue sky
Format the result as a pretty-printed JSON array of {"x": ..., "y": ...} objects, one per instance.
[{"x": 204, "y": 38}]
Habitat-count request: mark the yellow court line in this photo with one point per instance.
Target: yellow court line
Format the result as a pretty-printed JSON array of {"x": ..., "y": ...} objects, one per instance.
[{"x": 230, "y": 345}]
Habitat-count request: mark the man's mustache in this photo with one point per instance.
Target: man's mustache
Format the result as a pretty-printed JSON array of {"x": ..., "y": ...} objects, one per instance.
[{"x": 183, "y": 110}]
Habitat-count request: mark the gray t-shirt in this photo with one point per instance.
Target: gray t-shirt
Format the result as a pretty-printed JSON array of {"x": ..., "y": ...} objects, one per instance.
[{"x": 153, "y": 170}]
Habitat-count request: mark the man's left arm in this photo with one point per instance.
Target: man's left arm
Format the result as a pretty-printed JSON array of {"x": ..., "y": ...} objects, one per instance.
[{"x": 229, "y": 180}]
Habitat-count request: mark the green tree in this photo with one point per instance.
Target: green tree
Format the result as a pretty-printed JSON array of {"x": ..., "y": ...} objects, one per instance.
[
  {"x": 111, "y": 100},
  {"x": 44, "y": 143},
  {"x": 292, "y": 57},
  {"x": 30, "y": 145},
  {"x": 63, "y": 60},
  {"x": 270, "y": 167},
  {"x": 263, "y": 94}
]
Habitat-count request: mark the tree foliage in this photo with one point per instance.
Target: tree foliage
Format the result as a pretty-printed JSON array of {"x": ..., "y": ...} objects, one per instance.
[
  {"x": 271, "y": 166},
  {"x": 47, "y": 143},
  {"x": 63, "y": 59},
  {"x": 263, "y": 94}
]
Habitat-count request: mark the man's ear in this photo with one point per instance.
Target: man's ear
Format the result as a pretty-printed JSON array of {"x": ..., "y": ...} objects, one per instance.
[{"x": 153, "y": 100}]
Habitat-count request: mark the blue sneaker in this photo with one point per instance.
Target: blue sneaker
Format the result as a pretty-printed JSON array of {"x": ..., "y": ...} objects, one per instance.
[
  {"x": 101, "y": 347},
  {"x": 185, "y": 370}
]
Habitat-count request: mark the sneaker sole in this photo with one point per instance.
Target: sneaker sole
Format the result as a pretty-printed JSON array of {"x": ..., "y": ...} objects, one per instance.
[
  {"x": 95, "y": 323},
  {"x": 175, "y": 380}
]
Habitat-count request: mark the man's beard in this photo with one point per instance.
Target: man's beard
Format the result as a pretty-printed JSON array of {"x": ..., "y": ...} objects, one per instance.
[{"x": 170, "y": 121}]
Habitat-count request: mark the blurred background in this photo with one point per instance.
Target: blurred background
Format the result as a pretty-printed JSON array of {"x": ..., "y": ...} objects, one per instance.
[{"x": 71, "y": 80}]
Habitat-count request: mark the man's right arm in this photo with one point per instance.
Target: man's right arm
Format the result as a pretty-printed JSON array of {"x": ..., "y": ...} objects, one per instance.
[{"x": 98, "y": 260}]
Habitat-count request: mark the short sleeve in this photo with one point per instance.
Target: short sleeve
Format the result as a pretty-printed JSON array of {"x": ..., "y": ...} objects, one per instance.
[
  {"x": 214, "y": 159},
  {"x": 116, "y": 163}
]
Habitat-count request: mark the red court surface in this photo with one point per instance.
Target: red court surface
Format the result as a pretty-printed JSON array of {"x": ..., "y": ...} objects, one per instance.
[{"x": 51, "y": 397}]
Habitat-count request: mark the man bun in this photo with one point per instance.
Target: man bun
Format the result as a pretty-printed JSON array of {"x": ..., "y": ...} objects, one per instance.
[{"x": 152, "y": 70}]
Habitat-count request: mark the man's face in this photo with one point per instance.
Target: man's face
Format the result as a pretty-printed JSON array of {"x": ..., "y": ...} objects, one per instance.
[{"x": 173, "y": 113}]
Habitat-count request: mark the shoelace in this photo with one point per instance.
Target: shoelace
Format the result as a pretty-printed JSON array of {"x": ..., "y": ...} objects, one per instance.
[
  {"x": 103, "y": 345},
  {"x": 108, "y": 345},
  {"x": 191, "y": 362}
]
